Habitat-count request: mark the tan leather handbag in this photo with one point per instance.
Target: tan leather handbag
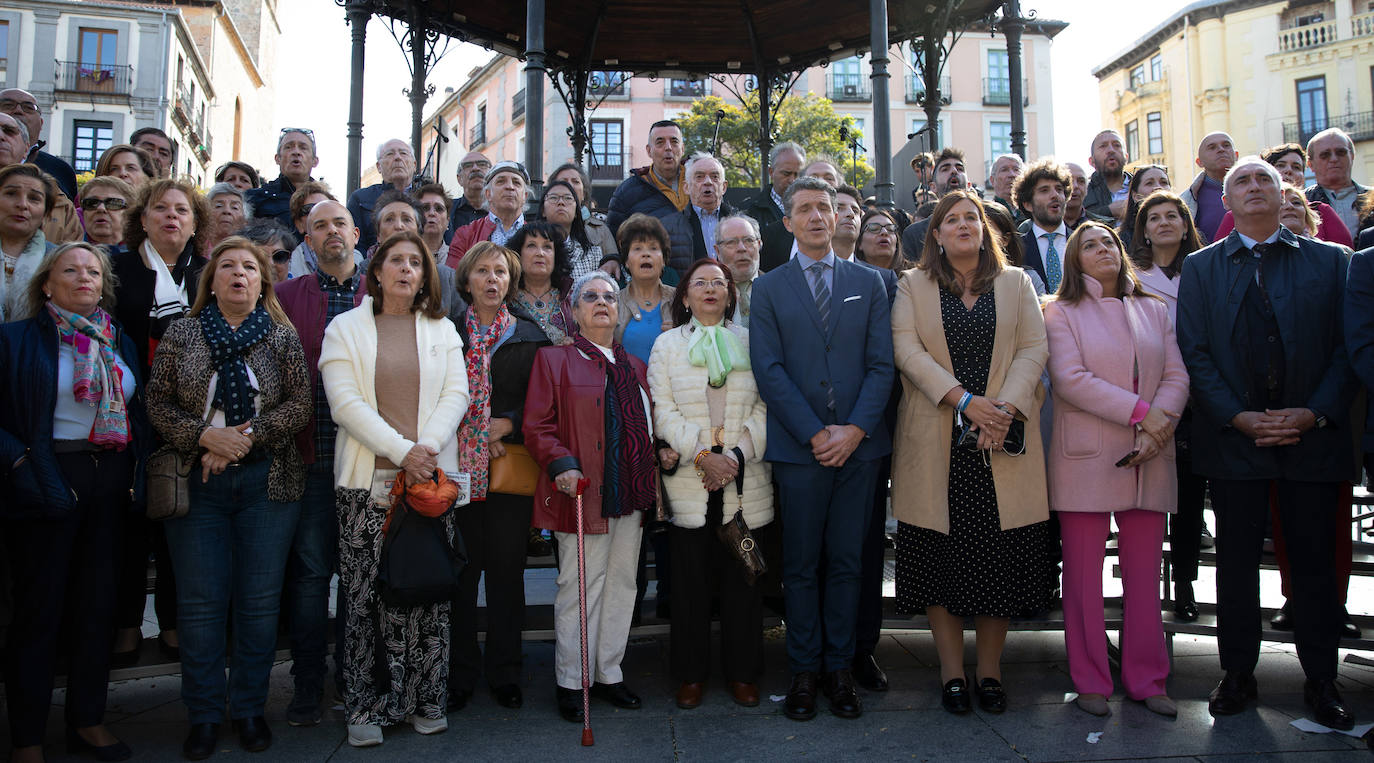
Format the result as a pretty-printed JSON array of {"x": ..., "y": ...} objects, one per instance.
[{"x": 515, "y": 473}]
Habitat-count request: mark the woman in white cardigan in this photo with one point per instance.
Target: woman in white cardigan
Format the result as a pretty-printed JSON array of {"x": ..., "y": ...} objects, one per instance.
[
  {"x": 397, "y": 387},
  {"x": 708, "y": 410}
]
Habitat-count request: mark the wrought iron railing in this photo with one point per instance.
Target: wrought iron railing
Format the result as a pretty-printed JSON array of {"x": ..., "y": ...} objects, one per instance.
[{"x": 78, "y": 77}]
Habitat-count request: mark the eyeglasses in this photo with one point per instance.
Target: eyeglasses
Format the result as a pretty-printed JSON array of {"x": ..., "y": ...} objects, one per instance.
[
  {"x": 481, "y": 164},
  {"x": 561, "y": 199},
  {"x": 731, "y": 243},
  {"x": 702, "y": 283},
  {"x": 113, "y": 203},
  {"x": 280, "y": 256},
  {"x": 592, "y": 297},
  {"x": 9, "y": 106},
  {"x": 880, "y": 228},
  {"x": 432, "y": 207}
]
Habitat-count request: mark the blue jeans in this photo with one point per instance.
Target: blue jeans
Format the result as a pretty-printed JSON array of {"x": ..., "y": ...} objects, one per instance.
[
  {"x": 314, "y": 557},
  {"x": 229, "y": 553}
]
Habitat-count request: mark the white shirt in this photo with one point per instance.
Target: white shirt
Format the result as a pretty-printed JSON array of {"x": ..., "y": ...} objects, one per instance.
[
  {"x": 1042, "y": 240},
  {"x": 73, "y": 420}
]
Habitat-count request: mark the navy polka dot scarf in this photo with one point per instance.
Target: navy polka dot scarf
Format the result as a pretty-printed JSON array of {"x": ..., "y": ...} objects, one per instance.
[{"x": 228, "y": 347}]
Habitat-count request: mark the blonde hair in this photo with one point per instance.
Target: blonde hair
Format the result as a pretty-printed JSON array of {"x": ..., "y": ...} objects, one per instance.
[
  {"x": 37, "y": 298},
  {"x": 266, "y": 296}
]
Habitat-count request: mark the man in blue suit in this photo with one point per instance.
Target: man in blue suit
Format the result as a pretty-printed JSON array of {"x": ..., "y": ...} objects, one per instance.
[
  {"x": 821, "y": 349},
  {"x": 1041, "y": 193},
  {"x": 1260, "y": 328}
]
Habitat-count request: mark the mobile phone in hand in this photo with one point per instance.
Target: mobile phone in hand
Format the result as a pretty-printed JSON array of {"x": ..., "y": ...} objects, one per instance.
[{"x": 1126, "y": 459}]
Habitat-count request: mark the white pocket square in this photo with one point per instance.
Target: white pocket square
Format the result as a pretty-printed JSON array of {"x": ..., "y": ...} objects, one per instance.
[{"x": 851, "y": 299}]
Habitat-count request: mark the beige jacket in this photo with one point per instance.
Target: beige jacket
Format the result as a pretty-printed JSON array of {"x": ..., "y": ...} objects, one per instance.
[
  {"x": 627, "y": 310},
  {"x": 921, "y": 446}
]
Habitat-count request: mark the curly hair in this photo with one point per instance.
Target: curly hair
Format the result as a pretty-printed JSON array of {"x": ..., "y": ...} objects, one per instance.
[
  {"x": 151, "y": 193},
  {"x": 562, "y": 259}
]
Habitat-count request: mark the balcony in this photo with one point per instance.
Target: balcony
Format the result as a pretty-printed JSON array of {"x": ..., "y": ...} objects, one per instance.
[
  {"x": 997, "y": 91},
  {"x": 517, "y": 106},
  {"x": 477, "y": 136},
  {"x": 1360, "y": 127},
  {"x": 609, "y": 166},
  {"x": 847, "y": 87},
  {"x": 1307, "y": 36},
  {"x": 608, "y": 84},
  {"x": 183, "y": 107},
  {"x": 1362, "y": 25},
  {"x": 686, "y": 88},
  {"x": 77, "y": 77},
  {"x": 916, "y": 89}
]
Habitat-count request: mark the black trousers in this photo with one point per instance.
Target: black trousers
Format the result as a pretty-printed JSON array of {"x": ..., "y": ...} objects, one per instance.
[
  {"x": 699, "y": 556},
  {"x": 141, "y": 538},
  {"x": 1185, "y": 526},
  {"x": 870, "y": 619},
  {"x": 496, "y": 535},
  {"x": 1305, "y": 510},
  {"x": 64, "y": 592}
]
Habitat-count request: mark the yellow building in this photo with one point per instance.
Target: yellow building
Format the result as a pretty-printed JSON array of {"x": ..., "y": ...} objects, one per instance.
[{"x": 1265, "y": 72}]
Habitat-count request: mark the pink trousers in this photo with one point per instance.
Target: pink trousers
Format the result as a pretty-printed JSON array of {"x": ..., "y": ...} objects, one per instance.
[{"x": 1144, "y": 657}]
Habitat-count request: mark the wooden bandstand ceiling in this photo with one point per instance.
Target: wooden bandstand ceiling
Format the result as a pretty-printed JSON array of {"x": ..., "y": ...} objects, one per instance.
[{"x": 667, "y": 37}]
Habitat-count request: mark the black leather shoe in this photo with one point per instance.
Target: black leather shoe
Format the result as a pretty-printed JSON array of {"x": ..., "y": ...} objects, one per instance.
[
  {"x": 800, "y": 704},
  {"x": 254, "y": 736},
  {"x": 1348, "y": 627},
  {"x": 954, "y": 697},
  {"x": 1232, "y": 694},
  {"x": 508, "y": 695},
  {"x": 839, "y": 686},
  {"x": 1282, "y": 619},
  {"x": 992, "y": 698},
  {"x": 1328, "y": 708},
  {"x": 570, "y": 704},
  {"x": 77, "y": 745},
  {"x": 617, "y": 694},
  {"x": 868, "y": 674},
  {"x": 200, "y": 743},
  {"x": 457, "y": 699},
  {"x": 1185, "y": 605}
]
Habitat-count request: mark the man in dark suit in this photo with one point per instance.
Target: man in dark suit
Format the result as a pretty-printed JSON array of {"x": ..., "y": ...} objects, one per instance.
[
  {"x": 21, "y": 105},
  {"x": 785, "y": 162},
  {"x": 950, "y": 175},
  {"x": 1260, "y": 318},
  {"x": 778, "y": 240},
  {"x": 1040, "y": 192},
  {"x": 821, "y": 350},
  {"x": 693, "y": 230}
]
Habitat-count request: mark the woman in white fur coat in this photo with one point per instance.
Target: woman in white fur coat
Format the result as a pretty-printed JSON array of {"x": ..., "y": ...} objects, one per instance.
[{"x": 708, "y": 410}]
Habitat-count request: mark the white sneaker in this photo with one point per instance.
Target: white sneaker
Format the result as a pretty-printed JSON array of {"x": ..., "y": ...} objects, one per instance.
[
  {"x": 427, "y": 726},
  {"x": 364, "y": 734}
]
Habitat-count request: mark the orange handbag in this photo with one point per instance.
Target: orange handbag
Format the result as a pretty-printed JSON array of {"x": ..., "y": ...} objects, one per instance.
[{"x": 515, "y": 473}]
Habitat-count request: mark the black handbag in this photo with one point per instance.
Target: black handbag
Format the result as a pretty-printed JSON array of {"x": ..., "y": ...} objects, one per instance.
[
  {"x": 418, "y": 565},
  {"x": 735, "y": 533}
]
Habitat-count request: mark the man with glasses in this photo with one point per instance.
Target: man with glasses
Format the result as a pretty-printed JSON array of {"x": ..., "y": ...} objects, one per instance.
[
  {"x": 505, "y": 191},
  {"x": 1331, "y": 154},
  {"x": 295, "y": 158},
  {"x": 396, "y": 163},
  {"x": 21, "y": 105},
  {"x": 471, "y": 207},
  {"x": 737, "y": 245},
  {"x": 159, "y": 147}
]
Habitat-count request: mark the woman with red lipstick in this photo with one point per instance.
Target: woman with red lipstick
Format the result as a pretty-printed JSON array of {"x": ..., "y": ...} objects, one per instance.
[
  {"x": 499, "y": 343},
  {"x": 72, "y": 431}
]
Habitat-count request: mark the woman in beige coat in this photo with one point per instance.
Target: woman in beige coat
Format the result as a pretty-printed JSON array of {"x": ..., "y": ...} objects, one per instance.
[
  {"x": 707, "y": 408},
  {"x": 968, "y": 470}
]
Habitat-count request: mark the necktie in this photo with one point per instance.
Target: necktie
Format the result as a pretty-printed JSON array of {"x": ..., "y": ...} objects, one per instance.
[
  {"x": 822, "y": 295},
  {"x": 1053, "y": 270}
]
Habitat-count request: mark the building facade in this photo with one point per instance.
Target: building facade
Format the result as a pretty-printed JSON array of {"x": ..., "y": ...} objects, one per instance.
[
  {"x": 1265, "y": 72},
  {"x": 486, "y": 113},
  {"x": 102, "y": 69}
]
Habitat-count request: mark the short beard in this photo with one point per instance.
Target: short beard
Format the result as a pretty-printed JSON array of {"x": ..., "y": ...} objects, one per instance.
[
  {"x": 1050, "y": 224},
  {"x": 1110, "y": 176}
]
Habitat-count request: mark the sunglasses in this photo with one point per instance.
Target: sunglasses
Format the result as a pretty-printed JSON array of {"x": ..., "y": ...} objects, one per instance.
[
  {"x": 280, "y": 256},
  {"x": 113, "y": 203},
  {"x": 432, "y": 207},
  {"x": 592, "y": 297},
  {"x": 303, "y": 130}
]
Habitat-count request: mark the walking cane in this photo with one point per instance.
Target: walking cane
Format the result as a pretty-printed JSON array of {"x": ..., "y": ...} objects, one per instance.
[{"x": 587, "y": 739}]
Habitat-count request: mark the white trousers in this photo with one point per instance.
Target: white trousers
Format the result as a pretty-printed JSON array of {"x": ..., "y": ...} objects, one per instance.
[{"x": 611, "y": 562}]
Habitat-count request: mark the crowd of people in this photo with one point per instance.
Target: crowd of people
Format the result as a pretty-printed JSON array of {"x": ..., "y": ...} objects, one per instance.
[{"x": 1012, "y": 373}]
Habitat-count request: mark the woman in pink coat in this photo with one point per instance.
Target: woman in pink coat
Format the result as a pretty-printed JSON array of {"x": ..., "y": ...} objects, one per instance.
[{"x": 1119, "y": 386}]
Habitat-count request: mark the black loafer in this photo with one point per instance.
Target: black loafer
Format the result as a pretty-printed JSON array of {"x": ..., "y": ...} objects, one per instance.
[
  {"x": 1282, "y": 619},
  {"x": 508, "y": 695},
  {"x": 1348, "y": 627},
  {"x": 1185, "y": 605},
  {"x": 1232, "y": 694},
  {"x": 254, "y": 736},
  {"x": 570, "y": 704},
  {"x": 844, "y": 697},
  {"x": 457, "y": 699},
  {"x": 1328, "y": 708},
  {"x": 201, "y": 742},
  {"x": 77, "y": 745},
  {"x": 992, "y": 698},
  {"x": 868, "y": 674},
  {"x": 800, "y": 704},
  {"x": 954, "y": 697},
  {"x": 617, "y": 694}
]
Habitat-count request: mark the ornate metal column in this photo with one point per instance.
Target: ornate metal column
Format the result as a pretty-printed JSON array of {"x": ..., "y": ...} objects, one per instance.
[
  {"x": 882, "y": 112},
  {"x": 358, "y": 13},
  {"x": 534, "y": 93},
  {"x": 1012, "y": 25}
]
